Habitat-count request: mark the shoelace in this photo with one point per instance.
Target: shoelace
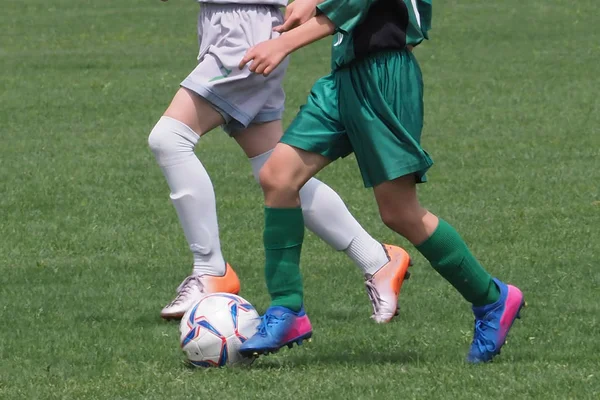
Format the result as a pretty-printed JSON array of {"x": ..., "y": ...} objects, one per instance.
[
  {"x": 373, "y": 295},
  {"x": 184, "y": 289},
  {"x": 267, "y": 321},
  {"x": 480, "y": 339}
]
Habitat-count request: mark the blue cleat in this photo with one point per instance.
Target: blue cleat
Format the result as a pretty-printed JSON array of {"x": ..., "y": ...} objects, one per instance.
[
  {"x": 492, "y": 323},
  {"x": 279, "y": 327}
]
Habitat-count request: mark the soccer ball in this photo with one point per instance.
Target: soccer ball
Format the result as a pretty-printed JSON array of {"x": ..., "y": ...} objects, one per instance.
[{"x": 213, "y": 329}]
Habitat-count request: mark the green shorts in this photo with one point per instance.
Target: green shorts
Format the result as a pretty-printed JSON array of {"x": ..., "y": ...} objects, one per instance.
[{"x": 374, "y": 108}]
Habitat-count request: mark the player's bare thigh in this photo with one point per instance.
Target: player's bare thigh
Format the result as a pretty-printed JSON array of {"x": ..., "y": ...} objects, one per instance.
[
  {"x": 257, "y": 139},
  {"x": 189, "y": 108}
]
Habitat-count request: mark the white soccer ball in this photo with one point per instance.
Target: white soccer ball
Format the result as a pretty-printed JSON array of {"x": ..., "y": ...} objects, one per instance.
[{"x": 214, "y": 328}]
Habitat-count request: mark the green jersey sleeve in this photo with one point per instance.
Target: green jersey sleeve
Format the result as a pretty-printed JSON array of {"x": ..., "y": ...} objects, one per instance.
[{"x": 345, "y": 14}]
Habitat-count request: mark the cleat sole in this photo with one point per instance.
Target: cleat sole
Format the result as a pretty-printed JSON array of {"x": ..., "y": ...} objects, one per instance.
[
  {"x": 172, "y": 317},
  {"x": 405, "y": 278},
  {"x": 523, "y": 305},
  {"x": 298, "y": 341},
  {"x": 407, "y": 273}
]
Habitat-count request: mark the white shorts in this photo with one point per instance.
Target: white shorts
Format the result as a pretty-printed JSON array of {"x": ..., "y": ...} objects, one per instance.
[{"x": 225, "y": 33}]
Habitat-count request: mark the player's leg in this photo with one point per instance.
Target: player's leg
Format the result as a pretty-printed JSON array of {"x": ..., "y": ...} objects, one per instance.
[
  {"x": 197, "y": 108},
  {"x": 288, "y": 168},
  {"x": 285, "y": 322},
  {"x": 439, "y": 243},
  {"x": 393, "y": 162},
  {"x": 216, "y": 93},
  {"x": 495, "y": 304},
  {"x": 172, "y": 141},
  {"x": 324, "y": 212}
]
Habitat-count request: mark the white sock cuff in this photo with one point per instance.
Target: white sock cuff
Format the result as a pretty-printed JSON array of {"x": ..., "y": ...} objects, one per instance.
[
  {"x": 258, "y": 162},
  {"x": 367, "y": 253}
]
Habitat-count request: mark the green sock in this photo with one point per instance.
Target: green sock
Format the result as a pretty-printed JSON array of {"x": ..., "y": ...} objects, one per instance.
[
  {"x": 283, "y": 237},
  {"x": 451, "y": 258}
]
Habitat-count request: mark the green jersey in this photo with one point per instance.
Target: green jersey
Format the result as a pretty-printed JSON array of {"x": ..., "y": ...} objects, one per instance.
[{"x": 364, "y": 27}]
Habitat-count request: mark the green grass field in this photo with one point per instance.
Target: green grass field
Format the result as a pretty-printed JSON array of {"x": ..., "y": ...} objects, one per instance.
[{"x": 90, "y": 247}]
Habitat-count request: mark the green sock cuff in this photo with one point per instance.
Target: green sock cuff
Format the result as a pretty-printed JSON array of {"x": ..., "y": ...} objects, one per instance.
[
  {"x": 291, "y": 301},
  {"x": 284, "y": 228},
  {"x": 444, "y": 236},
  {"x": 450, "y": 256}
]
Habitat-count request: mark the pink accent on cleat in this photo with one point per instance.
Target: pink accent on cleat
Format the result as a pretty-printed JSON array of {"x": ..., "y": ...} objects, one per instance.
[
  {"x": 301, "y": 328},
  {"x": 514, "y": 302}
]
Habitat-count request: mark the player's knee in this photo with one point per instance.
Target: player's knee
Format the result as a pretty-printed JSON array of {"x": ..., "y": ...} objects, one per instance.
[
  {"x": 388, "y": 218},
  {"x": 170, "y": 139},
  {"x": 269, "y": 178},
  {"x": 160, "y": 139},
  {"x": 155, "y": 140},
  {"x": 274, "y": 179},
  {"x": 399, "y": 219}
]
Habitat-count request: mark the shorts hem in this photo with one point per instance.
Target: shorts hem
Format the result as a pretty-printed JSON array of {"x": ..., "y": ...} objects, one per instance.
[
  {"x": 232, "y": 127},
  {"x": 331, "y": 154},
  {"x": 268, "y": 116},
  {"x": 218, "y": 101},
  {"x": 418, "y": 170}
]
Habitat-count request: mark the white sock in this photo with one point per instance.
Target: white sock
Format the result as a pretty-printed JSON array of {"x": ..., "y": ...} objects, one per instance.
[
  {"x": 367, "y": 252},
  {"x": 192, "y": 193},
  {"x": 327, "y": 216}
]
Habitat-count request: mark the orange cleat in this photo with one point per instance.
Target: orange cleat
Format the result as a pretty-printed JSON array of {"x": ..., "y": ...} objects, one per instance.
[
  {"x": 194, "y": 287},
  {"x": 384, "y": 286}
]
